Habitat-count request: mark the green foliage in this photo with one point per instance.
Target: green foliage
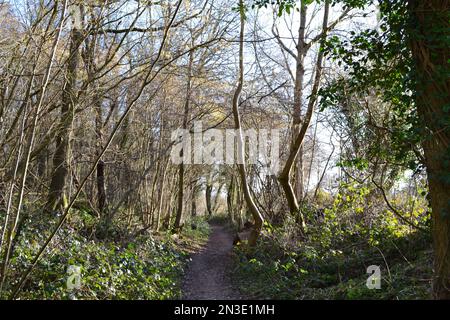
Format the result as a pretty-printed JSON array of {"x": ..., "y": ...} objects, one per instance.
[
  {"x": 378, "y": 62},
  {"x": 286, "y": 6},
  {"x": 312, "y": 270},
  {"x": 142, "y": 267},
  {"x": 222, "y": 219},
  {"x": 197, "y": 228},
  {"x": 354, "y": 230}
]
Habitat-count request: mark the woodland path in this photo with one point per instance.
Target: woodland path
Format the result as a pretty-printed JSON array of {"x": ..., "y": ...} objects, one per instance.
[{"x": 207, "y": 276}]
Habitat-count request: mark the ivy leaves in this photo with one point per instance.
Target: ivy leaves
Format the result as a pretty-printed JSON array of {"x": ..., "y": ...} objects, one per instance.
[
  {"x": 286, "y": 6},
  {"x": 378, "y": 61},
  {"x": 283, "y": 5}
]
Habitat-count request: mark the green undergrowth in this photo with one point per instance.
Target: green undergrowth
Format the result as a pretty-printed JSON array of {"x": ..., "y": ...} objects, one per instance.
[
  {"x": 145, "y": 266},
  {"x": 197, "y": 229},
  {"x": 224, "y": 220},
  {"x": 308, "y": 269}
]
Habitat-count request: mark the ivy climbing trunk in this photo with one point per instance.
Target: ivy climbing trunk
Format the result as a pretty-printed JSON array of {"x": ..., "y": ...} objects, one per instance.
[{"x": 429, "y": 34}]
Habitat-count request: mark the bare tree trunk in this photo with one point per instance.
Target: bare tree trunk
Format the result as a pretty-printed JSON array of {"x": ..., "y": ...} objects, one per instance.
[
  {"x": 230, "y": 199},
  {"x": 194, "y": 205},
  {"x": 170, "y": 202},
  {"x": 217, "y": 197},
  {"x": 208, "y": 196},
  {"x": 430, "y": 49},
  {"x": 298, "y": 99},
  {"x": 180, "y": 199},
  {"x": 161, "y": 197},
  {"x": 164, "y": 173},
  {"x": 240, "y": 205},
  {"x": 285, "y": 175},
  {"x": 194, "y": 196},
  {"x": 101, "y": 189},
  {"x": 241, "y": 150},
  {"x": 179, "y": 216},
  {"x": 69, "y": 96}
]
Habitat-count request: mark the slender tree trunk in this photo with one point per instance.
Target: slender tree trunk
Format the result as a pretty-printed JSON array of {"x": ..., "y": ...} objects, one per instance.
[
  {"x": 180, "y": 199},
  {"x": 194, "y": 207},
  {"x": 285, "y": 175},
  {"x": 240, "y": 206},
  {"x": 170, "y": 203},
  {"x": 194, "y": 192},
  {"x": 257, "y": 217},
  {"x": 430, "y": 48},
  {"x": 101, "y": 188},
  {"x": 216, "y": 198},
  {"x": 208, "y": 195},
  {"x": 161, "y": 197},
  {"x": 164, "y": 172},
  {"x": 298, "y": 99},
  {"x": 230, "y": 199},
  {"x": 179, "y": 216}
]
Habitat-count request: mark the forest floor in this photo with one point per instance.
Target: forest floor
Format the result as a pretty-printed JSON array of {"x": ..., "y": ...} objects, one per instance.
[{"x": 207, "y": 275}]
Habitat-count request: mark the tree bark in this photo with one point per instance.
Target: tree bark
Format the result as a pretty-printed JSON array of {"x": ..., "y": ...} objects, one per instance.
[
  {"x": 60, "y": 157},
  {"x": 161, "y": 197},
  {"x": 179, "y": 216},
  {"x": 217, "y": 198},
  {"x": 257, "y": 217},
  {"x": 285, "y": 175},
  {"x": 298, "y": 99},
  {"x": 230, "y": 199},
  {"x": 430, "y": 49},
  {"x": 194, "y": 203},
  {"x": 101, "y": 188},
  {"x": 208, "y": 196}
]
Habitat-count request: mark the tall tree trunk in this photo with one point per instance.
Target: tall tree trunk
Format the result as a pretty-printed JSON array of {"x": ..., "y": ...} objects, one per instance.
[
  {"x": 91, "y": 44},
  {"x": 208, "y": 196},
  {"x": 161, "y": 196},
  {"x": 257, "y": 217},
  {"x": 430, "y": 48},
  {"x": 194, "y": 200},
  {"x": 164, "y": 172},
  {"x": 69, "y": 96},
  {"x": 179, "y": 216},
  {"x": 194, "y": 207},
  {"x": 285, "y": 176},
  {"x": 298, "y": 99},
  {"x": 101, "y": 188},
  {"x": 230, "y": 199},
  {"x": 217, "y": 198},
  {"x": 180, "y": 199}
]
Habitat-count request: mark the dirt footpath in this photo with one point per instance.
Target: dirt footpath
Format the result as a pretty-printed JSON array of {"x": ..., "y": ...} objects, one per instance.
[{"x": 206, "y": 277}]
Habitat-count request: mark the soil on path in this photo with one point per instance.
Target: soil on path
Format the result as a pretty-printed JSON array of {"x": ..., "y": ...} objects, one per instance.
[{"x": 207, "y": 276}]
